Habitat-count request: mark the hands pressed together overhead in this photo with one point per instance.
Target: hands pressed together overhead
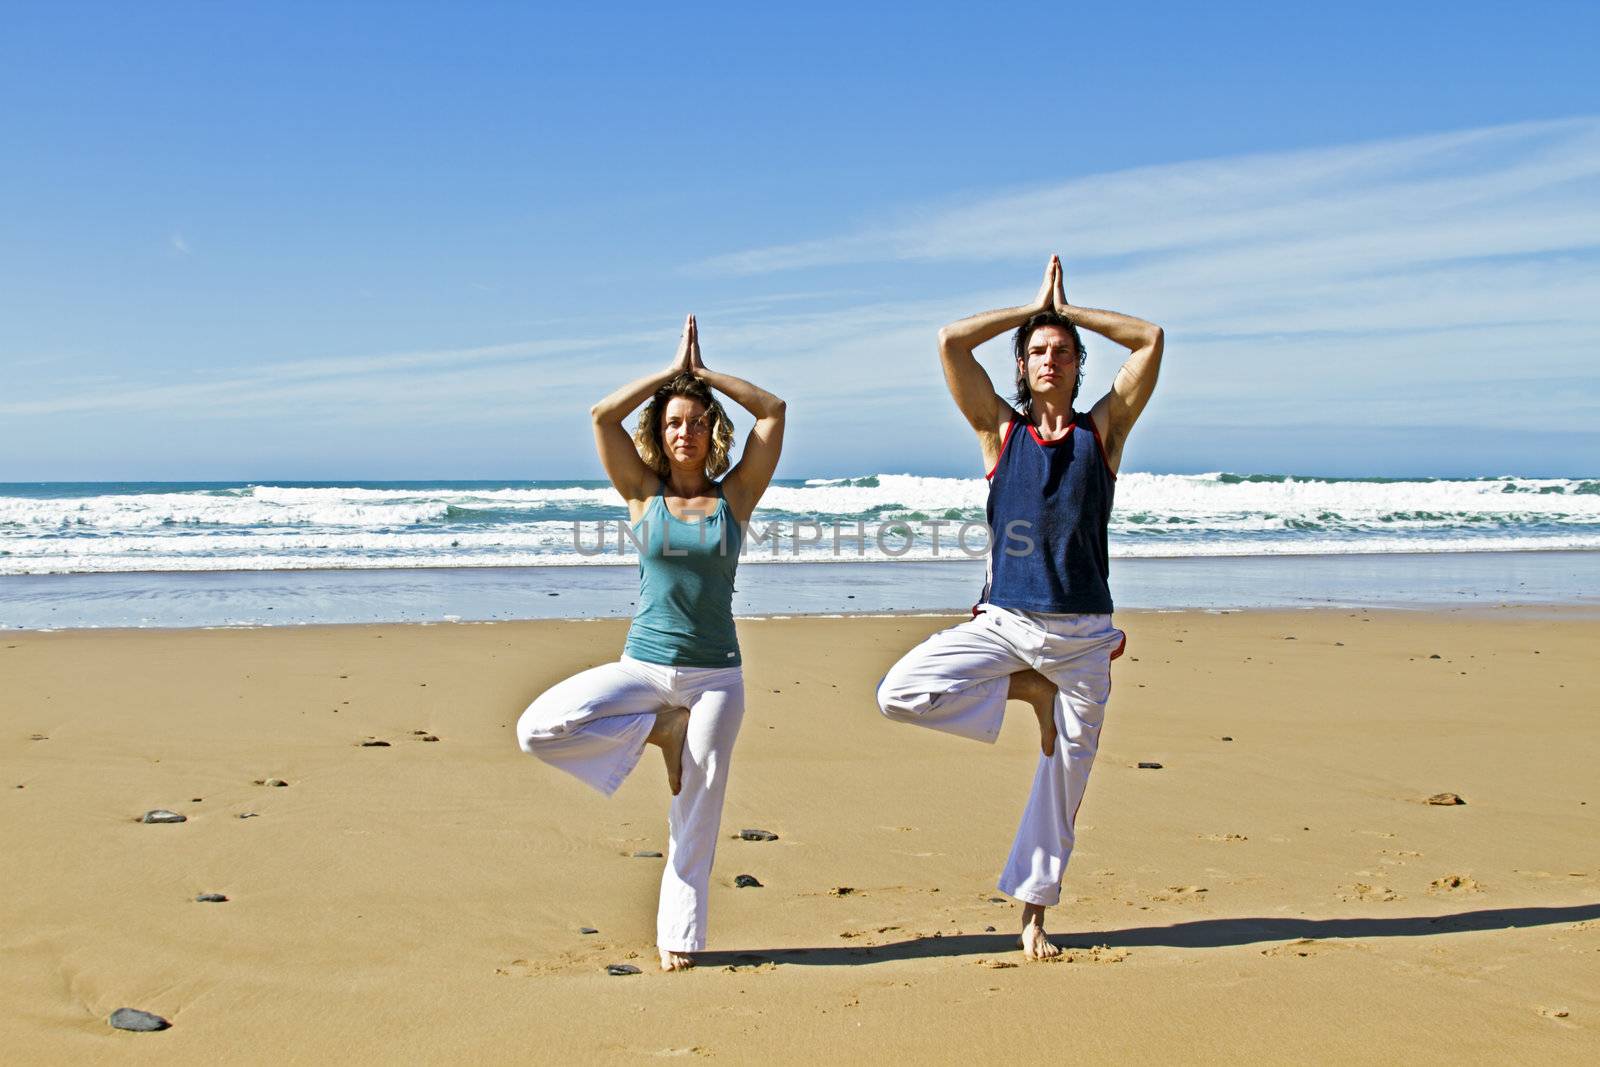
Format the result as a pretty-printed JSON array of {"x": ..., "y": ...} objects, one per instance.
[
  {"x": 1052, "y": 293},
  {"x": 687, "y": 360}
]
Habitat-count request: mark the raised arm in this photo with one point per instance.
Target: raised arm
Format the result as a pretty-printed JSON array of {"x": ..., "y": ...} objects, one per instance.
[
  {"x": 628, "y": 473},
  {"x": 750, "y": 477},
  {"x": 985, "y": 410},
  {"x": 1115, "y": 413}
]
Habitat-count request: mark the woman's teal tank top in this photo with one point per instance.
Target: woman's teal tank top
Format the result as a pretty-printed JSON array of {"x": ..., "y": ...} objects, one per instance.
[{"x": 686, "y": 569}]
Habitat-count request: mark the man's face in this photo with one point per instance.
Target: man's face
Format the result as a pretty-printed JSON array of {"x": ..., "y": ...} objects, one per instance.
[
  {"x": 1052, "y": 360},
  {"x": 686, "y": 431}
]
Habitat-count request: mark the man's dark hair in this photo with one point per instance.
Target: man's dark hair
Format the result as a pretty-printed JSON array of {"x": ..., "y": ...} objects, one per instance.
[{"x": 1019, "y": 345}]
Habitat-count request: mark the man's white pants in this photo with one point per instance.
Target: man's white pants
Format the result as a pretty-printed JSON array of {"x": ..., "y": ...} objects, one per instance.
[
  {"x": 957, "y": 680},
  {"x": 594, "y": 726}
]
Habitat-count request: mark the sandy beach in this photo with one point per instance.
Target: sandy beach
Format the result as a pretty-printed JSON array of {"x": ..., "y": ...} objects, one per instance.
[{"x": 1278, "y": 890}]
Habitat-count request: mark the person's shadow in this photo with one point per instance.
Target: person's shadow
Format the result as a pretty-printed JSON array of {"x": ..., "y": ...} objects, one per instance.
[{"x": 1202, "y": 933}]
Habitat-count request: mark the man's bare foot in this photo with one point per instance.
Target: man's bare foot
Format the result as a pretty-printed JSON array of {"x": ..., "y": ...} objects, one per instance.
[
  {"x": 1035, "y": 689},
  {"x": 676, "y": 961},
  {"x": 1035, "y": 944},
  {"x": 670, "y": 730}
]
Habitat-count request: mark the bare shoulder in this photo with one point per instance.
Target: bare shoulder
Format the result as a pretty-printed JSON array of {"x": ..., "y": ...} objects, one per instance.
[
  {"x": 1106, "y": 428},
  {"x": 992, "y": 438},
  {"x": 649, "y": 484}
]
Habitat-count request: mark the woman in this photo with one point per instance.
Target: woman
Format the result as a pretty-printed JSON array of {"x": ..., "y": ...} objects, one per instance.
[{"x": 679, "y": 684}]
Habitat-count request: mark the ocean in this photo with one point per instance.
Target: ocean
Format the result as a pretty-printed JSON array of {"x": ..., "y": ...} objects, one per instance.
[{"x": 154, "y": 554}]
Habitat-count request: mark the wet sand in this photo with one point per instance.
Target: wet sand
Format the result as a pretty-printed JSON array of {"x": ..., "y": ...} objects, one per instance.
[{"x": 1284, "y": 895}]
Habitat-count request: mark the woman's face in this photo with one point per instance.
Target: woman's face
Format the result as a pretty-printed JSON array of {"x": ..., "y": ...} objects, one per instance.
[{"x": 686, "y": 432}]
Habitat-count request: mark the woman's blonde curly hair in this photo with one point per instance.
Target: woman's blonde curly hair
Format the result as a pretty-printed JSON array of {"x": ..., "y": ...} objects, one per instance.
[{"x": 647, "y": 436}]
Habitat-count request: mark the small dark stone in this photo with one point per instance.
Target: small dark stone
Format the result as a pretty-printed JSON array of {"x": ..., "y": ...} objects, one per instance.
[
  {"x": 1227, "y": 739},
  {"x": 997, "y": 900},
  {"x": 374, "y": 744},
  {"x": 1149, "y": 766},
  {"x": 162, "y": 815},
  {"x": 134, "y": 1019},
  {"x": 211, "y": 898},
  {"x": 197, "y": 800},
  {"x": 38, "y": 737},
  {"x": 619, "y": 969},
  {"x": 1436, "y": 656},
  {"x": 248, "y": 815},
  {"x": 558, "y": 594},
  {"x": 647, "y": 855},
  {"x": 429, "y": 737},
  {"x": 841, "y": 891},
  {"x": 587, "y": 930},
  {"x": 276, "y": 783},
  {"x": 1445, "y": 799},
  {"x": 757, "y": 835},
  {"x": 988, "y": 929},
  {"x": 746, "y": 881}
]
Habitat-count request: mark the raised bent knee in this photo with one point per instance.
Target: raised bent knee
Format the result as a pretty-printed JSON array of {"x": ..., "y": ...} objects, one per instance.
[
  {"x": 538, "y": 724},
  {"x": 899, "y": 702}
]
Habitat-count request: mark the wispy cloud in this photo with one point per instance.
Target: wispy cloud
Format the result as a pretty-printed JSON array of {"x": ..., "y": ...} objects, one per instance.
[
  {"x": 179, "y": 244},
  {"x": 1432, "y": 280},
  {"x": 1408, "y": 195}
]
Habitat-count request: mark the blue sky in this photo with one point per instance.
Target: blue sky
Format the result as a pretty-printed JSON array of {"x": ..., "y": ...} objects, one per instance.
[{"x": 416, "y": 241}]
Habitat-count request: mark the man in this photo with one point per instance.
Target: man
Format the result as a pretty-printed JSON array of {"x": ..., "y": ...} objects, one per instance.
[{"x": 1042, "y": 632}]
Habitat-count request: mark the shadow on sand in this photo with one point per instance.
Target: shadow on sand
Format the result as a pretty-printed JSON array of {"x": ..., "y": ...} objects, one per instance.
[{"x": 1202, "y": 933}]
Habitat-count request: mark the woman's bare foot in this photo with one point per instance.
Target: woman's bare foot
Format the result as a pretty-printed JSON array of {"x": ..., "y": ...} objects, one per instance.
[
  {"x": 1035, "y": 944},
  {"x": 676, "y": 961},
  {"x": 669, "y": 732},
  {"x": 1037, "y": 690}
]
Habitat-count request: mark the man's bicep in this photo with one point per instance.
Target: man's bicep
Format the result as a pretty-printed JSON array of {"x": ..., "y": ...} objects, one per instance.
[
  {"x": 971, "y": 389},
  {"x": 1132, "y": 388}
]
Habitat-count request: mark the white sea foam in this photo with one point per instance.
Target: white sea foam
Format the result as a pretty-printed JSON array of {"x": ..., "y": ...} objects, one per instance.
[{"x": 265, "y": 527}]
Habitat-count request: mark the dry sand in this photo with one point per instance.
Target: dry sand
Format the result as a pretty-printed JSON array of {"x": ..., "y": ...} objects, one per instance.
[{"x": 1286, "y": 895}]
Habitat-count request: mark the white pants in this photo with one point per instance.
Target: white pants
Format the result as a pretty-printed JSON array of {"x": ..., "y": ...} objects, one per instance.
[
  {"x": 956, "y": 681},
  {"x": 594, "y": 726}
]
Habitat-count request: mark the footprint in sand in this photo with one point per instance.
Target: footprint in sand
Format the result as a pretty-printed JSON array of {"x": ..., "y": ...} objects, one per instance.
[
  {"x": 564, "y": 963},
  {"x": 745, "y": 962},
  {"x": 519, "y": 969},
  {"x": 1181, "y": 892},
  {"x": 1361, "y": 891},
  {"x": 1222, "y": 837},
  {"x": 1304, "y": 947},
  {"x": 1091, "y": 954},
  {"x": 1454, "y": 883}
]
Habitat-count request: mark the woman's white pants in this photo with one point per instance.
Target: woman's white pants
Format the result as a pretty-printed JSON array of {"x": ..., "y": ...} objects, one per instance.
[
  {"x": 594, "y": 726},
  {"x": 956, "y": 681}
]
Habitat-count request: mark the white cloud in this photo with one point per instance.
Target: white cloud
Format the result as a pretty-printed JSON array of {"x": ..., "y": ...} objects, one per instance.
[
  {"x": 1385, "y": 189},
  {"x": 1429, "y": 279},
  {"x": 179, "y": 245}
]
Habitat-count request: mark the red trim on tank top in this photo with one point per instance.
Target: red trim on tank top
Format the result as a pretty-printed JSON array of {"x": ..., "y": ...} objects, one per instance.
[
  {"x": 1103, "y": 457},
  {"x": 1005, "y": 439},
  {"x": 1064, "y": 435}
]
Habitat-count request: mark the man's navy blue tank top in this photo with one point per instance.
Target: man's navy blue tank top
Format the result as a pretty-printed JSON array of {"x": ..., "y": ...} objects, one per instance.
[{"x": 1049, "y": 505}]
